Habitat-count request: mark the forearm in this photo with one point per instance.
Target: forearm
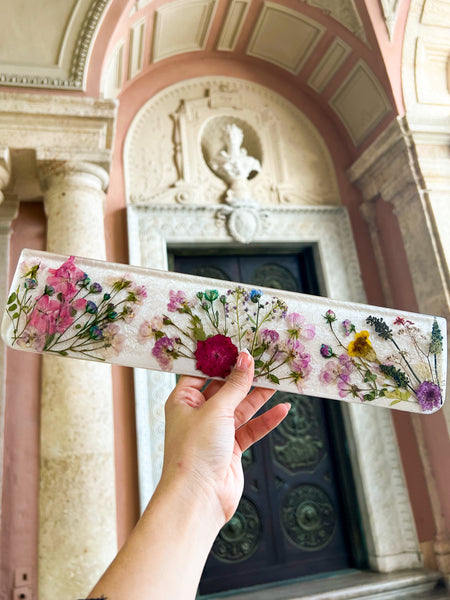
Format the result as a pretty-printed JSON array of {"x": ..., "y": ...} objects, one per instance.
[{"x": 166, "y": 552}]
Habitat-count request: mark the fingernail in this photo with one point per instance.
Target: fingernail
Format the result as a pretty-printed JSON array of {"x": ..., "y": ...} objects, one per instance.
[{"x": 244, "y": 361}]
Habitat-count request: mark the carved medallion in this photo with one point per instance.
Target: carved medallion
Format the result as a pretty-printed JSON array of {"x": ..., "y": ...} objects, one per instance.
[
  {"x": 210, "y": 271},
  {"x": 274, "y": 276},
  {"x": 239, "y": 538},
  {"x": 297, "y": 444},
  {"x": 308, "y": 517}
]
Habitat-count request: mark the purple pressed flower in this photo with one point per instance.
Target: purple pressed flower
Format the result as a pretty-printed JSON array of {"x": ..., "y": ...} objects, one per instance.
[
  {"x": 91, "y": 307},
  {"x": 95, "y": 288},
  {"x": 326, "y": 351},
  {"x": 429, "y": 396},
  {"x": 95, "y": 333},
  {"x": 329, "y": 316},
  {"x": 297, "y": 327},
  {"x": 164, "y": 351},
  {"x": 30, "y": 283},
  {"x": 269, "y": 336},
  {"x": 348, "y": 327},
  {"x": 177, "y": 301}
]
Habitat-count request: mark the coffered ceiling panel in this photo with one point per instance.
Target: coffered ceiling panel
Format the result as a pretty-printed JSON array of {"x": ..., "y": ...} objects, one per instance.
[
  {"x": 329, "y": 65},
  {"x": 360, "y": 102},
  {"x": 181, "y": 26},
  {"x": 233, "y": 24},
  {"x": 284, "y": 37}
]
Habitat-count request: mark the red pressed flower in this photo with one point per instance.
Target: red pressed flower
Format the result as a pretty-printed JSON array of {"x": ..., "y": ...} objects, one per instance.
[{"x": 216, "y": 355}]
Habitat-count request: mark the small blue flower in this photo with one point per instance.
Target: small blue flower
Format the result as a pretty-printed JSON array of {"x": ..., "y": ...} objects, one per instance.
[
  {"x": 95, "y": 333},
  {"x": 255, "y": 295},
  {"x": 95, "y": 288},
  {"x": 91, "y": 307},
  {"x": 30, "y": 283}
]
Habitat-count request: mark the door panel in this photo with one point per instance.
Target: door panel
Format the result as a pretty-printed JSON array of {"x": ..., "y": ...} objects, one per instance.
[{"x": 289, "y": 522}]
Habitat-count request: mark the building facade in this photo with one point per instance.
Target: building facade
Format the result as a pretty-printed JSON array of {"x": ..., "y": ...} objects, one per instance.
[{"x": 112, "y": 116}]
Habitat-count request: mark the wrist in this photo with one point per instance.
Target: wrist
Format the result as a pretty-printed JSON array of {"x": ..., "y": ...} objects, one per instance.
[{"x": 193, "y": 499}]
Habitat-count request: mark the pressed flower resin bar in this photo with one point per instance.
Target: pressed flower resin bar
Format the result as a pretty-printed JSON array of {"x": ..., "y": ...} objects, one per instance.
[{"x": 94, "y": 310}]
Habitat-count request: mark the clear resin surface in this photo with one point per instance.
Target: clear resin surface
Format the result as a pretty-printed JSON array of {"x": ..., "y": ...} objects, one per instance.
[{"x": 94, "y": 310}]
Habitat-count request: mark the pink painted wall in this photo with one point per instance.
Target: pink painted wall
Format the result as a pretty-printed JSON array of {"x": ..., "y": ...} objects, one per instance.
[{"x": 19, "y": 539}]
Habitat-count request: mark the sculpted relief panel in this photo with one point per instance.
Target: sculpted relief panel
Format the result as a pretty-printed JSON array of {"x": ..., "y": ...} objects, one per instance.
[{"x": 223, "y": 140}]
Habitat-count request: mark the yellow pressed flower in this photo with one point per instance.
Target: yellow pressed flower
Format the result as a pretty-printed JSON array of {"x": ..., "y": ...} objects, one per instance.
[{"x": 361, "y": 346}]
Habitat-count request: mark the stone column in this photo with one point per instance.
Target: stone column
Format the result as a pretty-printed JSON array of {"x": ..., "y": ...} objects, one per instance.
[{"x": 77, "y": 516}]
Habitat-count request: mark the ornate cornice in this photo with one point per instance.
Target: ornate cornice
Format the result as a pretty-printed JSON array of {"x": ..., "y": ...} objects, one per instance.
[{"x": 75, "y": 79}]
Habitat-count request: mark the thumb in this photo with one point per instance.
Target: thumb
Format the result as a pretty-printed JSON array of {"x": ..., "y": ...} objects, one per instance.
[{"x": 238, "y": 383}]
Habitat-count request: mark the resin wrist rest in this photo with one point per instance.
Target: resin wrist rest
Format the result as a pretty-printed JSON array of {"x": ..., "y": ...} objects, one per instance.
[{"x": 94, "y": 310}]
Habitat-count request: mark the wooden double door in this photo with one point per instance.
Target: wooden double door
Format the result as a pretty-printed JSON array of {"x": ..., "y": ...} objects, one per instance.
[{"x": 297, "y": 515}]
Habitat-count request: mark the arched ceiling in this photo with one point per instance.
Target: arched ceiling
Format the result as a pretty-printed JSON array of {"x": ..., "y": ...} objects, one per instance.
[{"x": 325, "y": 48}]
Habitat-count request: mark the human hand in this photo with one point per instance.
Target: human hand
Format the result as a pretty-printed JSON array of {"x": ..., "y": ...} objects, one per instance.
[{"x": 207, "y": 432}]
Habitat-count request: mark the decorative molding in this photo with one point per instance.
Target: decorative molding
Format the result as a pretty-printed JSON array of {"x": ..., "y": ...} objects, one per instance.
[
  {"x": 328, "y": 66},
  {"x": 232, "y": 26},
  {"x": 168, "y": 144},
  {"x": 59, "y": 126},
  {"x": 387, "y": 518},
  {"x": 436, "y": 13},
  {"x": 76, "y": 75},
  {"x": 300, "y": 35},
  {"x": 432, "y": 60},
  {"x": 390, "y": 11},
  {"x": 136, "y": 48},
  {"x": 345, "y": 12},
  {"x": 193, "y": 17},
  {"x": 361, "y": 102}
]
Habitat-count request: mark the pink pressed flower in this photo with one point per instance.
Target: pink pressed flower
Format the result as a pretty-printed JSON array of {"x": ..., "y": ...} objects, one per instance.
[
  {"x": 32, "y": 340},
  {"x": 346, "y": 363},
  {"x": 268, "y": 336},
  {"x": 79, "y": 304},
  {"x": 44, "y": 315},
  {"x": 344, "y": 388},
  {"x": 148, "y": 329},
  {"x": 302, "y": 363},
  {"x": 63, "y": 280},
  {"x": 145, "y": 332},
  {"x": 296, "y": 326},
  {"x": 293, "y": 348},
  {"x": 112, "y": 338},
  {"x": 216, "y": 355},
  {"x": 164, "y": 351},
  {"x": 63, "y": 319},
  {"x": 177, "y": 301},
  {"x": 337, "y": 371},
  {"x": 137, "y": 294},
  {"x": 348, "y": 327},
  {"x": 402, "y": 321}
]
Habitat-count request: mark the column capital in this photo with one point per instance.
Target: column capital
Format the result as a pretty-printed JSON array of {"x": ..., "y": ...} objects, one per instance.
[
  {"x": 61, "y": 172},
  {"x": 5, "y": 169}
]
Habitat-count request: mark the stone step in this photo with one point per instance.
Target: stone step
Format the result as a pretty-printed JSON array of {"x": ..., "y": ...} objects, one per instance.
[{"x": 349, "y": 585}]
